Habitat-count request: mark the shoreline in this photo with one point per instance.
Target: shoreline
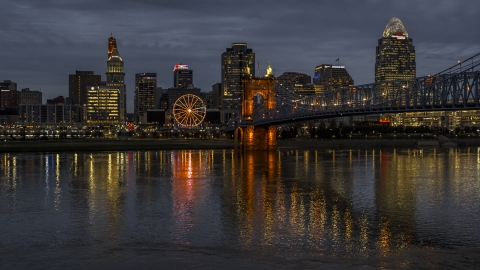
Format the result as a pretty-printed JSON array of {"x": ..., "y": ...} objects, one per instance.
[{"x": 94, "y": 145}]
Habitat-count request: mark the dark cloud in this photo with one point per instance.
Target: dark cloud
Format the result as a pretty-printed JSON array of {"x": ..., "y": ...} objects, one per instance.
[{"x": 41, "y": 42}]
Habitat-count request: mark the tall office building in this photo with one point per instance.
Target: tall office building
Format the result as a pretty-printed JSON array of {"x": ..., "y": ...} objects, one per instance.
[
  {"x": 145, "y": 88},
  {"x": 395, "y": 54},
  {"x": 182, "y": 76},
  {"x": 116, "y": 75},
  {"x": 237, "y": 61},
  {"x": 78, "y": 84},
  {"x": 328, "y": 78},
  {"x": 395, "y": 60},
  {"x": 103, "y": 105}
]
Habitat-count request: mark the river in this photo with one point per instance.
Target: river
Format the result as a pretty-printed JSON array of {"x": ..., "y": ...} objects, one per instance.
[{"x": 213, "y": 209}]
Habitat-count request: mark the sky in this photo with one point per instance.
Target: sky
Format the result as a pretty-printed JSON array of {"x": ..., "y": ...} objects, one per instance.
[{"x": 43, "y": 41}]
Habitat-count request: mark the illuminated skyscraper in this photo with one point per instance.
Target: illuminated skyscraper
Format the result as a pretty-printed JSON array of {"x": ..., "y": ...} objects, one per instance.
[
  {"x": 328, "y": 77},
  {"x": 182, "y": 76},
  {"x": 103, "y": 105},
  {"x": 395, "y": 55},
  {"x": 116, "y": 75},
  {"x": 145, "y": 87},
  {"x": 236, "y": 62}
]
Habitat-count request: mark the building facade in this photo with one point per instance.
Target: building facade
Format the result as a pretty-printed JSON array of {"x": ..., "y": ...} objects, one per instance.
[
  {"x": 8, "y": 96},
  {"x": 103, "y": 106},
  {"x": 41, "y": 114},
  {"x": 78, "y": 84},
  {"x": 291, "y": 79},
  {"x": 328, "y": 77},
  {"x": 116, "y": 75},
  {"x": 145, "y": 88},
  {"x": 30, "y": 97},
  {"x": 182, "y": 76},
  {"x": 237, "y": 62}
]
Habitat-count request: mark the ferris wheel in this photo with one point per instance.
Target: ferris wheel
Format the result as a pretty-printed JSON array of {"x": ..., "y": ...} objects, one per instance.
[{"x": 189, "y": 110}]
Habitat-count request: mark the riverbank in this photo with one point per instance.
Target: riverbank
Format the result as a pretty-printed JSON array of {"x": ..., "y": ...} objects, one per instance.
[
  {"x": 371, "y": 143},
  {"x": 112, "y": 145},
  {"x": 90, "y": 145}
]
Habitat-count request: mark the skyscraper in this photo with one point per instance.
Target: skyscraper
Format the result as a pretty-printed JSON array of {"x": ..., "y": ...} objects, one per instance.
[
  {"x": 328, "y": 77},
  {"x": 78, "y": 83},
  {"x": 182, "y": 76},
  {"x": 116, "y": 75},
  {"x": 145, "y": 88},
  {"x": 236, "y": 62},
  {"x": 395, "y": 54}
]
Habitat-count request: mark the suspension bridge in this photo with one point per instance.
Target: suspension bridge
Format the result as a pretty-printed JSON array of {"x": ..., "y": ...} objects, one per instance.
[{"x": 455, "y": 88}]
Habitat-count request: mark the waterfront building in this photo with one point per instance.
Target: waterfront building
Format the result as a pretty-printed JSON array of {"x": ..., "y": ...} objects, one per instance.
[
  {"x": 395, "y": 54},
  {"x": 145, "y": 88},
  {"x": 78, "y": 84},
  {"x": 116, "y": 75},
  {"x": 44, "y": 114},
  {"x": 182, "y": 76},
  {"x": 395, "y": 60},
  {"x": 30, "y": 97},
  {"x": 103, "y": 106},
  {"x": 328, "y": 77},
  {"x": 237, "y": 61}
]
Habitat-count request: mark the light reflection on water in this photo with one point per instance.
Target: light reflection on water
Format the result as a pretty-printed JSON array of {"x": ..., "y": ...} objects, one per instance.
[{"x": 297, "y": 206}]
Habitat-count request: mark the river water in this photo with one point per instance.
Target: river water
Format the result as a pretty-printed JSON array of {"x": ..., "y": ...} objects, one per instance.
[{"x": 214, "y": 209}]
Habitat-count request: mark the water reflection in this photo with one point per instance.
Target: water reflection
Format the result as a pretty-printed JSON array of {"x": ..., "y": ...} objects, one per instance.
[{"x": 300, "y": 204}]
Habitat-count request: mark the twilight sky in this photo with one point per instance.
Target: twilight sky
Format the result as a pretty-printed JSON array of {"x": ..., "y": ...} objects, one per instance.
[{"x": 43, "y": 41}]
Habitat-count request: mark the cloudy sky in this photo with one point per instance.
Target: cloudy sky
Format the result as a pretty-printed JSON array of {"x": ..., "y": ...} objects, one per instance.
[{"x": 43, "y": 41}]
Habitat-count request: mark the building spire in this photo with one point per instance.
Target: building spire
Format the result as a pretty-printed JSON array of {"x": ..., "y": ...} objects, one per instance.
[
  {"x": 269, "y": 70},
  {"x": 112, "y": 45}
]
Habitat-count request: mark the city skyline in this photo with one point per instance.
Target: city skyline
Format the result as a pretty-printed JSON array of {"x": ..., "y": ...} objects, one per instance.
[{"x": 40, "y": 51}]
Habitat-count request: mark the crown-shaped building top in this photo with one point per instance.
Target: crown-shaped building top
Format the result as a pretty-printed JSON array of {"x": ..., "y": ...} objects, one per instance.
[
  {"x": 112, "y": 44},
  {"x": 115, "y": 61},
  {"x": 395, "y": 28}
]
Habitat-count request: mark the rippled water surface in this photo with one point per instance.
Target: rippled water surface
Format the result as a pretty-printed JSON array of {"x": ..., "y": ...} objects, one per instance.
[{"x": 183, "y": 209}]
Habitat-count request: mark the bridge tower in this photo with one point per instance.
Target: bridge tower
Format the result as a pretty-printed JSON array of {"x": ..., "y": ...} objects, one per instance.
[{"x": 247, "y": 136}]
